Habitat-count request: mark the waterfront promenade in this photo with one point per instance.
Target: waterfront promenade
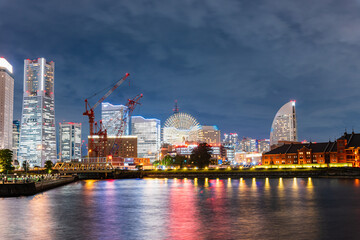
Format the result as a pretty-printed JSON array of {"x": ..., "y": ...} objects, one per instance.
[
  {"x": 250, "y": 173},
  {"x": 25, "y": 185},
  {"x": 15, "y": 186}
]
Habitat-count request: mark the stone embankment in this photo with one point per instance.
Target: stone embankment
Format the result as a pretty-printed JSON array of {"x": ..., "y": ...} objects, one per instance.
[
  {"x": 301, "y": 173},
  {"x": 27, "y": 189}
]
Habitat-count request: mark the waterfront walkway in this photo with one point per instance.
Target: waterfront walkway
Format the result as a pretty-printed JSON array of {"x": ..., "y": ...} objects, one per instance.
[{"x": 26, "y": 186}]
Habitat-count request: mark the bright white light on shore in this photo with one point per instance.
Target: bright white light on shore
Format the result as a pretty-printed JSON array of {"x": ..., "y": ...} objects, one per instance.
[{"x": 4, "y": 63}]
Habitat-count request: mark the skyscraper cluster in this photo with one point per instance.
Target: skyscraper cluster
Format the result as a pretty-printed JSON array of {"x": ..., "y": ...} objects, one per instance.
[{"x": 33, "y": 139}]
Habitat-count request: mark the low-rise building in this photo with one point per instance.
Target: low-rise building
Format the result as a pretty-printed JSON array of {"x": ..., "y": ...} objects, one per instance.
[
  {"x": 124, "y": 146},
  {"x": 345, "y": 150}
]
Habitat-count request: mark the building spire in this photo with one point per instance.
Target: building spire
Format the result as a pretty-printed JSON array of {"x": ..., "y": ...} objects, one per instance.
[{"x": 176, "y": 109}]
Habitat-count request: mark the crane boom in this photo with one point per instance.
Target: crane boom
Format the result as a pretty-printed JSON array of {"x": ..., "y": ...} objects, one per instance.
[
  {"x": 111, "y": 90},
  {"x": 130, "y": 108},
  {"x": 89, "y": 111}
]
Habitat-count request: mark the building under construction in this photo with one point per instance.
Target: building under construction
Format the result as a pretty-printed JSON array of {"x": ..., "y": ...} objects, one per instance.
[{"x": 100, "y": 145}]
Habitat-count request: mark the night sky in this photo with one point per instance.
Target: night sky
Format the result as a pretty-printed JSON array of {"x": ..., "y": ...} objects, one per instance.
[{"x": 229, "y": 63}]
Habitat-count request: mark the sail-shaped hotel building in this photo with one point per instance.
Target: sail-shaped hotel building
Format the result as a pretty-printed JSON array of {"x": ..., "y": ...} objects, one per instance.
[{"x": 284, "y": 126}]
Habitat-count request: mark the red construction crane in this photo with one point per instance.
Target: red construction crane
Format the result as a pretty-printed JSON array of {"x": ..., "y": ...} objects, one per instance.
[
  {"x": 89, "y": 111},
  {"x": 130, "y": 108}
]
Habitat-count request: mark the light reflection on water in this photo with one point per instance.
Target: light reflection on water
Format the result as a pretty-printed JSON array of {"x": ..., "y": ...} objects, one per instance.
[{"x": 289, "y": 208}]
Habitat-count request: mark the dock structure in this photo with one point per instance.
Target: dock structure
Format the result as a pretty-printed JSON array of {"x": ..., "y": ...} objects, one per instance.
[{"x": 28, "y": 188}]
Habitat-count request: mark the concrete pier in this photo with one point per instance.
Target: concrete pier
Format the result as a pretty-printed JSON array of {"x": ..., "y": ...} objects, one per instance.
[{"x": 27, "y": 189}]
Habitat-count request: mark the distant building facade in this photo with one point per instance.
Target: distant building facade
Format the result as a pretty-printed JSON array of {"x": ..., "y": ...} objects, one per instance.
[
  {"x": 187, "y": 149},
  {"x": 263, "y": 145},
  {"x": 284, "y": 126},
  {"x": 229, "y": 154},
  {"x": 248, "y": 145},
  {"x": 70, "y": 141},
  {"x": 113, "y": 117},
  {"x": 210, "y": 134},
  {"x": 16, "y": 138},
  {"x": 244, "y": 158},
  {"x": 345, "y": 150},
  {"x": 6, "y": 104},
  {"x": 124, "y": 146},
  {"x": 148, "y": 132},
  {"x": 231, "y": 139},
  {"x": 38, "y": 134}
]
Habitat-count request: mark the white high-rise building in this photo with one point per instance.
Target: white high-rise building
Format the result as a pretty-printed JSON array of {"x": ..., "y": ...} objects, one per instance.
[
  {"x": 284, "y": 126},
  {"x": 16, "y": 138},
  {"x": 38, "y": 134},
  {"x": 70, "y": 141},
  {"x": 112, "y": 117},
  {"x": 148, "y": 137},
  {"x": 6, "y": 104}
]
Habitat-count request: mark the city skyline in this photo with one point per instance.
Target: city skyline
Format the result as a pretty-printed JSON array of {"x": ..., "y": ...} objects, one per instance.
[{"x": 236, "y": 80}]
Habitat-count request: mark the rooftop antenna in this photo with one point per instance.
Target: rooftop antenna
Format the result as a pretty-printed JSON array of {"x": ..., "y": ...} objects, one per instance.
[{"x": 176, "y": 109}]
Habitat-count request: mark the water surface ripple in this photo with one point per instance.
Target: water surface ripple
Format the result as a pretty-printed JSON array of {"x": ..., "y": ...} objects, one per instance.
[{"x": 189, "y": 209}]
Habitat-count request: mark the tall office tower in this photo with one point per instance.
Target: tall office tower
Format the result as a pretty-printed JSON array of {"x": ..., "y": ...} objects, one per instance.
[
  {"x": 112, "y": 117},
  {"x": 70, "y": 141},
  {"x": 6, "y": 103},
  {"x": 284, "y": 126},
  {"x": 16, "y": 138},
  {"x": 231, "y": 140},
  {"x": 148, "y": 137},
  {"x": 210, "y": 134},
  {"x": 38, "y": 134},
  {"x": 263, "y": 145},
  {"x": 249, "y": 145}
]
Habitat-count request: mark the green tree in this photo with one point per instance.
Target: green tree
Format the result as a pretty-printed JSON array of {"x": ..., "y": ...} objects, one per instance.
[
  {"x": 201, "y": 155},
  {"x": 180, "y": 160},
  {"x": 6, "y": 160},
  {"x": 25, "y": 166},
  {"x": 156, "y": 163},
  {"x": 167, "y": 160},
  {"x": 48, "y": 166}
]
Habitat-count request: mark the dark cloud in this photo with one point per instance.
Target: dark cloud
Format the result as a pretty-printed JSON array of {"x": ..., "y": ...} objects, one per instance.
[{"x": 229, "y": 63}]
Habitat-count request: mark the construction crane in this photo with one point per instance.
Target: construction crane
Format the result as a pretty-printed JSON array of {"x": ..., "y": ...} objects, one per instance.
[
  {"x": 89, "y": 111},
  {"x": 131, "y": 104}
]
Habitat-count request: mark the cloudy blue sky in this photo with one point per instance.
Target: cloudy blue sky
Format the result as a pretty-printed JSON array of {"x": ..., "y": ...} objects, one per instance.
[{"x": 228, "y": 62}]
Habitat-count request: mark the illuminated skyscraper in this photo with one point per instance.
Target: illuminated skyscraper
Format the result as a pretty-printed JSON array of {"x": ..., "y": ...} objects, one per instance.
[
  {"x": 248, "y": 145},
  {"x": 231, "y": 139},
  {"x": 6, "y": 104},
  {"x": 38, "y": 135},
  {"x": 284, "y": 126},
  {"x": 210, "y": 134},
  {"x": 70, "y": 141},
  {"x": 148, "y": 137},
  {"x": 16, "y": 138},
  {"x": 112, "y": 116}
]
